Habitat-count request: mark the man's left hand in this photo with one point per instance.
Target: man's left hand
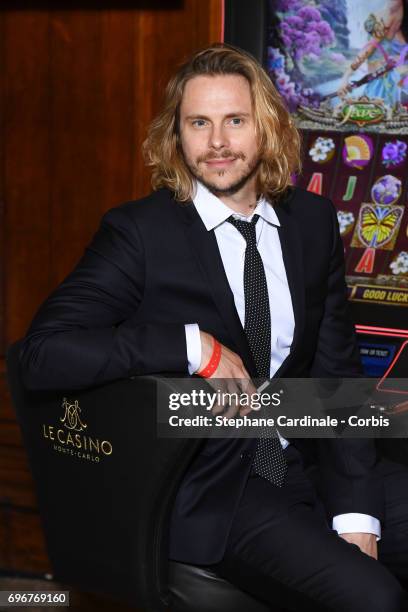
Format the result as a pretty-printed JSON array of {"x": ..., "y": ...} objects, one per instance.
[{"x": 367, "y": 542}]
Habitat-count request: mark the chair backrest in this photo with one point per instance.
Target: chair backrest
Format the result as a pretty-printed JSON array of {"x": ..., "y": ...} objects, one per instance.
[{"x": 105, "y": 483}]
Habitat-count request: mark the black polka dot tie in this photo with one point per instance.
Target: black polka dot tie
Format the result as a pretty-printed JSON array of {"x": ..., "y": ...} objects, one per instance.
[{"x": 269, "y": 460}]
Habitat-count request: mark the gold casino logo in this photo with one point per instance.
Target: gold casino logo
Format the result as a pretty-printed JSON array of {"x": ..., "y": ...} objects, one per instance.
[
  {"x": 71, "y": 418},
  {"x": 76, "y": 444}
]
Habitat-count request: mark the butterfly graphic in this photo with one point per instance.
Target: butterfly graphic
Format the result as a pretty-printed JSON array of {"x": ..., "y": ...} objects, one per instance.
[{"x": 378, "y": 224}]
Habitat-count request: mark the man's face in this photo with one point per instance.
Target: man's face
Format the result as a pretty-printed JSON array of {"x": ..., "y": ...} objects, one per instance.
[{"x": 217, "y": 130}]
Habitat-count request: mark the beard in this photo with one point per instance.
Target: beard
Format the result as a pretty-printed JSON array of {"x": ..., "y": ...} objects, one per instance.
[{"x": 236, "y": 184}]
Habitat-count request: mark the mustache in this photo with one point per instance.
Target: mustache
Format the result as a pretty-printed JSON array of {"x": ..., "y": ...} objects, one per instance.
[{"x": 227, "y": 153}]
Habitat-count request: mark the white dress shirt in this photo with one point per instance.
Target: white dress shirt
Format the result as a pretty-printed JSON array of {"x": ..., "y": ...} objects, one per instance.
[{"x": 232, "y": 245}]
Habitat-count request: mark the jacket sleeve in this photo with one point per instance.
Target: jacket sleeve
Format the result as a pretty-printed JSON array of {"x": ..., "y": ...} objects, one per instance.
[
  {"x": 87, "y": 333},
  {"x": 347, "y": 465}
]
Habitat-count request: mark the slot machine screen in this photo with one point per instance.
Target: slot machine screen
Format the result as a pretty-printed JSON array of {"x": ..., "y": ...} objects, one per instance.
[{"x": 342, "y": 68}]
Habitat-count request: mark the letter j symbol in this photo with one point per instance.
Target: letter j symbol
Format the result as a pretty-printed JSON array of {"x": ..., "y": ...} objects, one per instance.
[{"x": 351, "y": 186}]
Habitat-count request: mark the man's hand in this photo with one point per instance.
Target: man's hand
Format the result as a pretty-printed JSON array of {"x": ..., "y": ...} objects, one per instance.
[
  {"x": 367, "y": 542},
  {"x": 230, "y": 367}
]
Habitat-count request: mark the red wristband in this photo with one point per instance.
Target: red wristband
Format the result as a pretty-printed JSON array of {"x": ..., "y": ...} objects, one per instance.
[{"x": 212, "y": 365}]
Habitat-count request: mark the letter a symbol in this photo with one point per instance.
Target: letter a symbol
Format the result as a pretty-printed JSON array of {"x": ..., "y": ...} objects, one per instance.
[
  {"x": 366, "y": 263},
  {"x": 316, "y": 183},
  {"x": 351, "y": 185}
]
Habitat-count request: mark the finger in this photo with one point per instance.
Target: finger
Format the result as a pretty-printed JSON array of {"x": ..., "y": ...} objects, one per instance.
[
  {"x": 221, "y": 388},
  {"x": 245, "y": 373},
  {"x": 232, "y": 407},
  {"x": 244, "y": 410},
  {"x": 217, "y": 409},
  {"x": 231, "y": 410}
]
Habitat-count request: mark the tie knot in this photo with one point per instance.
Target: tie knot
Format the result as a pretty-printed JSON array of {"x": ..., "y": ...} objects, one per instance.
[{"x": 246, "y": 228}]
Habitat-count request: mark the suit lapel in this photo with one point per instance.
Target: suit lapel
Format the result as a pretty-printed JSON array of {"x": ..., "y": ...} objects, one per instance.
[
  {"x": 290, "y": 240},
  {"x": 204, "y": 245}
]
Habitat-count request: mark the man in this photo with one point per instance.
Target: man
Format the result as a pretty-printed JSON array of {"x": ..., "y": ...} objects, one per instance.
[{"x": 228, "y": 272}]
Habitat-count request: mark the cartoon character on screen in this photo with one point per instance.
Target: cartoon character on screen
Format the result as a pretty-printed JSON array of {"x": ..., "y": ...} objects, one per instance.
[{"x": 386, "y": 55}]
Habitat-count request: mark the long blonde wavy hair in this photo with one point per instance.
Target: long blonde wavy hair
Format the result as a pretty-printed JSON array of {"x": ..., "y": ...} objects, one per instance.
[{"x": 279, "y": 140}]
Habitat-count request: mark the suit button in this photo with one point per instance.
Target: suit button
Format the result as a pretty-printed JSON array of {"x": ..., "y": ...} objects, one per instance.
[{"x": 246, "y": 455}]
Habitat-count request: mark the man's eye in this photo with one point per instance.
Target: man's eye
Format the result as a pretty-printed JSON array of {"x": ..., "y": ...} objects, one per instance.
[
  {"x": 198, "y": 122},
  {"x": 236, "y": 121}
]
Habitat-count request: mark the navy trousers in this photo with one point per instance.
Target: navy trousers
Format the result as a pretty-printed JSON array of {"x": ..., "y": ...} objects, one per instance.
[{"x": 281, "y": 549}]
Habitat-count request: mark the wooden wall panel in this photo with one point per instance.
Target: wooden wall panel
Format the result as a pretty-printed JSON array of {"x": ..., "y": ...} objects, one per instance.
[
  {"x": 2, "y": 176},
  {"x": 26, "y": 166},
  {"x": 22, "y": 543},
  {"x": 79, "y": 83},
  {"x": 118, "y": 67},
  {"x": 15, "y": 475},
  {"x": 78, "y": 126},
  {"x": 80, "y": 89}
]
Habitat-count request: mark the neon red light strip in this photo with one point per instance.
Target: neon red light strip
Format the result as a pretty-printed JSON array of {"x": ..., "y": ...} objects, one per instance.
[
  {"x": 382, "y": 331},
  {"x": 388, "y": 371}
]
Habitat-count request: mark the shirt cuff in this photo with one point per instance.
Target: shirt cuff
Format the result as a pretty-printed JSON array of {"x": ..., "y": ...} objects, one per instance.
[
  {"x": 193, "y": 341},
  {"x": 284, "y": 442},
  {"x": 354, "y": 522}
]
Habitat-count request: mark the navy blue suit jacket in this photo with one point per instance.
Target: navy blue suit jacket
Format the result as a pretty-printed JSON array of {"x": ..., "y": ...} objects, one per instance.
[{"x": 151, "y": 268}]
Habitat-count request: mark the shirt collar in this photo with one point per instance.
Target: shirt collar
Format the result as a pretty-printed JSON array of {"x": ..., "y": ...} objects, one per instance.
[{"x": 213, "y": 211}]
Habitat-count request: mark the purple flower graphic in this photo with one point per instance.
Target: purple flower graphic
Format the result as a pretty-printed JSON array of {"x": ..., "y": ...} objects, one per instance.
[
  {"x": 394, "y": 153},
  {"x": 386, "y": 190}
]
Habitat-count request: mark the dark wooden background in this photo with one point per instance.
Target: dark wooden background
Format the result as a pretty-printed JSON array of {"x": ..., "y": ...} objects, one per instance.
[{"x": 78, "y": 85}]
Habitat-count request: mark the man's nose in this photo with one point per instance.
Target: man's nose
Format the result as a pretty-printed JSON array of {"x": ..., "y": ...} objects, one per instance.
[{"x": 218, "y": 137}]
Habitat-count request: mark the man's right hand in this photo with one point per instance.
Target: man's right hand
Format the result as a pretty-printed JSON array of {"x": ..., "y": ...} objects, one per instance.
[{"x": 230, "y": 376}]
